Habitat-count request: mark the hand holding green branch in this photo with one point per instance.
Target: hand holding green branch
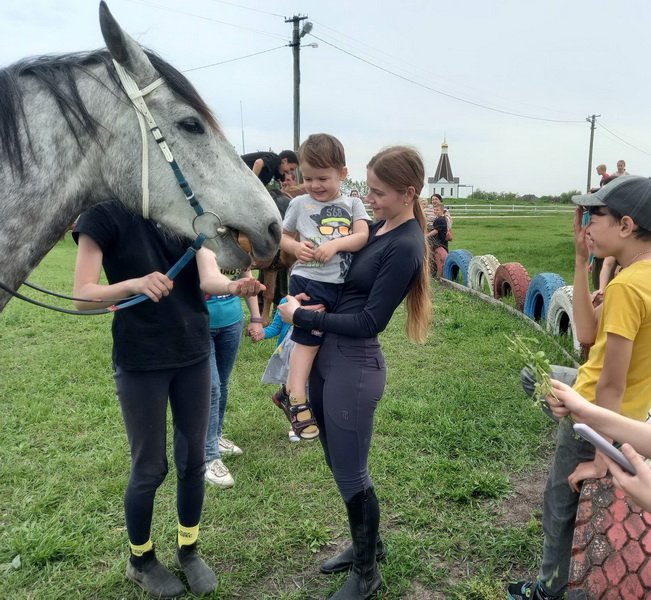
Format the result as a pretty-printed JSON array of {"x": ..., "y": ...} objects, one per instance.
[{"x": 540, "y": 368}]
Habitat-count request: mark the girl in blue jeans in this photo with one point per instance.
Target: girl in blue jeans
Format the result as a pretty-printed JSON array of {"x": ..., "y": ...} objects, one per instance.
[{"x": 226, "y": 326}]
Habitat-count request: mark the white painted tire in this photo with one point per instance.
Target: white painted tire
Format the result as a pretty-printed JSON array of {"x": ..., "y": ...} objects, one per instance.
[
  {"x": 481, "y": 270},
  {"x": 559, "y": 314}
]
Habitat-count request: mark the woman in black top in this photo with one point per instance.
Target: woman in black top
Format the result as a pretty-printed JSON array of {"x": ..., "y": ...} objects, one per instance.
[
  {"x": 160, "y": 350},
  {"x": 348, "y": 378}
]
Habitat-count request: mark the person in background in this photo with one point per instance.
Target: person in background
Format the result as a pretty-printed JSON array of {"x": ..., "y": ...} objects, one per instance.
[
  {"x": 354, "y": 193},
  {"x": 268, "y": 166},
  {"x": 603, "y": 175},
  {"x": 226, "y": 326},
  {"x": 436, "y": 237},
  {"x": 348, "y": 377},
  {"x": 277, "y": 328},
  {"x": 161, "y": 354},
  {"x": 617, "y": 373},
  {"x": 322, "y": 229},
  {"x": 621, "y": 168}
]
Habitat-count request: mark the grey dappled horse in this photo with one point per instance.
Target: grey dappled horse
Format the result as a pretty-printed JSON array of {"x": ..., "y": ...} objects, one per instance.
[{"x": 69, "y": 138}]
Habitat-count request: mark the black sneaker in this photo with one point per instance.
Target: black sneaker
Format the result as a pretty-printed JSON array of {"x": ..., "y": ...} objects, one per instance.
[
  {"x": 528, "y": 590},
  {"x": 147, "y": 572}
]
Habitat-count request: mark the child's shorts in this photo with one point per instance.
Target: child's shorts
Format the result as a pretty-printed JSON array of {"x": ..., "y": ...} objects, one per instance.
[{"x": 320, "y": 292}]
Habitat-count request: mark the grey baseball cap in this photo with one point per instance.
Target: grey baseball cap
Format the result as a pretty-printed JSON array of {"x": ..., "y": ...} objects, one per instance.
[{"x": 629, "y": 195}]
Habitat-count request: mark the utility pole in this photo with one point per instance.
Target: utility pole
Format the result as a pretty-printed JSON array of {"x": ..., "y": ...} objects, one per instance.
[
  {"x": 590, "y": 119},
  {"x": 296, "y": 50}
]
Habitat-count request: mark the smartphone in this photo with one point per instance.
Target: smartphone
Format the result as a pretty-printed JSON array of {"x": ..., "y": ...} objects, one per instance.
[{"x": 603, "y": 445}]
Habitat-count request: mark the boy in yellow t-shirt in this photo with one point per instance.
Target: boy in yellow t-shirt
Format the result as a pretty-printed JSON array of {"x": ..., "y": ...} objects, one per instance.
[{"x": 617, "y": 374}]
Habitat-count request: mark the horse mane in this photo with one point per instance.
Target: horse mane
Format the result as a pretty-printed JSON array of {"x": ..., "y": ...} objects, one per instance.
[{"x": 57, "y": 73}]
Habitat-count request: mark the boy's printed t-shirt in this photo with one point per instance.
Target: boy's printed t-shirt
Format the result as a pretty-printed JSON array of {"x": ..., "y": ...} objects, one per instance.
[
  {"x": 626, "y": 312},
  {"x": 320, "y": 222}
]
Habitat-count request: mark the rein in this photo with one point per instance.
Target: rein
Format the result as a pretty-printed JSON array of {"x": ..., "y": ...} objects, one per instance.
[
  {"x": 145, "y": 120},
  {"x": 126, "y": 303}
]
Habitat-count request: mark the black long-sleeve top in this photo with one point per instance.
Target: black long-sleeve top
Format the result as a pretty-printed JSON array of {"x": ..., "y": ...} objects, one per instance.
[{"x": 379, "y": 278}]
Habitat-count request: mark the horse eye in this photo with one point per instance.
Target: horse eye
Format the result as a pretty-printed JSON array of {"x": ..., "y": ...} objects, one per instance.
[{"x": 191, "y": 125}]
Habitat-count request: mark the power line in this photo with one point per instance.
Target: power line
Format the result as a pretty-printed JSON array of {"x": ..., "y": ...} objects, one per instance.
[
  {"x": 263, "y": 12},
  {"x": 223, "y": 62},
  {"x": 203, "y": 17},
  {"x": 442, "y": 93},
  {"x": 624, "y": 141}
]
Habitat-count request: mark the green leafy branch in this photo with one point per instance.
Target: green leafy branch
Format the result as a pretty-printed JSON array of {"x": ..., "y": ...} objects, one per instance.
[{"x": 539, "y": 366}]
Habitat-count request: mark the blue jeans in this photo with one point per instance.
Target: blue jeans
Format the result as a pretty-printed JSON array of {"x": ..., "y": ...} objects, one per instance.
[{"x": 224, "y": 343}]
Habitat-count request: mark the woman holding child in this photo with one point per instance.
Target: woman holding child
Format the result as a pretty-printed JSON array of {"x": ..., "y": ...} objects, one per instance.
[{"x": 349, "y": 373}]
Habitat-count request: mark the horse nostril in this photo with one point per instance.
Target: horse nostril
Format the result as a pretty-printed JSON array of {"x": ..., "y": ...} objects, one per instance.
[{"x": 276, "y": 231}]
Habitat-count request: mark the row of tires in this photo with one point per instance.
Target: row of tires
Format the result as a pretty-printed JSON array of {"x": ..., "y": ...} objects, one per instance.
[{"x": 543, "y": 298}]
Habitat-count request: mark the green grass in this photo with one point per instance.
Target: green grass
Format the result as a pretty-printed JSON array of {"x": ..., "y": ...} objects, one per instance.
[
  {"x": 540, "y": 244},
  {"x": 454, "y": 437}
]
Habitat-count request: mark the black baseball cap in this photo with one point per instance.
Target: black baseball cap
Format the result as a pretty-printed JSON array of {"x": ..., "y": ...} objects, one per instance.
[{"x": 629, "y": 195}]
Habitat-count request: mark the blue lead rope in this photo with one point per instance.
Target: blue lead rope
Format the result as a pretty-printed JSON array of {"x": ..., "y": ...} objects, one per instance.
[{"x": 190, "y": 253}]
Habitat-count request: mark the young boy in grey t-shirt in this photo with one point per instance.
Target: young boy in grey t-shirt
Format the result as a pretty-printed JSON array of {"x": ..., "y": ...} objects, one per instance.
[{"x": 322, "y": 229}]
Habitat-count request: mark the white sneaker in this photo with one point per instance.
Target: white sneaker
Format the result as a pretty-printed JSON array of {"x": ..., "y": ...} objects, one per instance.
[
  {"x": 218, "y": 474},
  {"x": 228, "y": 448}
]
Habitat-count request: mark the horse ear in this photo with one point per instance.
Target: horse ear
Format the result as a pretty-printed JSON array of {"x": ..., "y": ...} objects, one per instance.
[{"x": 123, "y": 48}]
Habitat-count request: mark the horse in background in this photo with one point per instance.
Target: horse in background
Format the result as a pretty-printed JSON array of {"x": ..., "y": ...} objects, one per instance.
[{"x": 69, "y": 139}]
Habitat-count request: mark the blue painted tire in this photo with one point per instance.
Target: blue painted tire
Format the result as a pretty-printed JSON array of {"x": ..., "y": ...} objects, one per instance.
[
  {"x": 456, "y": 264},
  {"x": 539, "y": 295}
]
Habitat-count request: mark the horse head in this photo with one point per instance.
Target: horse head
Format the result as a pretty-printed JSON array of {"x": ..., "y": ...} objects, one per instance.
[{"x": 241, "y": 219}]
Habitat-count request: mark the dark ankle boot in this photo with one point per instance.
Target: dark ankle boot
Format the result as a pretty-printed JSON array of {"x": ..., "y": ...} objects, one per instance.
[
  {"x": 201, "y": 578},
  {"x": 147, "y": 572},
  {"x": 363, "y": 517},
  {"x": 344, "y": 560}
]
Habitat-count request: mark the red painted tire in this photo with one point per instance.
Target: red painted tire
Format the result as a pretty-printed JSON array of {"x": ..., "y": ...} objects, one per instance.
[
  {"x": 611, "y": 549},
  {"x": 511, "y": 279}
]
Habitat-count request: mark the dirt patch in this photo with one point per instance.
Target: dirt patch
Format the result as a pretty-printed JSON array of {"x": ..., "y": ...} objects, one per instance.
[{"x": 526, "y": 500}]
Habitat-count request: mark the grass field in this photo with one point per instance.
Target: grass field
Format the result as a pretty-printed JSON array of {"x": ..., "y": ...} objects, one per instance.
[{"x": 457, "y": 455}]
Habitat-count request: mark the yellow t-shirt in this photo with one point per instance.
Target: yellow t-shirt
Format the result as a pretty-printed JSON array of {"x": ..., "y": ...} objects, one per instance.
[{"x": 627, "y": 312}]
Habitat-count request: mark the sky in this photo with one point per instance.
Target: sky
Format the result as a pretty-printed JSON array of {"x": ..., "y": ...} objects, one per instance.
[{"x": 507, "y": 83}]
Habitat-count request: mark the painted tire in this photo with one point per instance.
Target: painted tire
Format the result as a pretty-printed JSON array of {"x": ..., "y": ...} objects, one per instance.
[
  {"x": 511, "y": 279},
  {"x": 456, "y": 264},
  {"x": 559, "y": 314},
  {"x": 539, "y": 295},
  {"x": 482, "y": 270}
]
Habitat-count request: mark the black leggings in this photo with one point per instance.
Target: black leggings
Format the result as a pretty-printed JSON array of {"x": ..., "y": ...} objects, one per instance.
[
  {"x": 143, "y": 397},
  {"x": 346, "y": 383}
]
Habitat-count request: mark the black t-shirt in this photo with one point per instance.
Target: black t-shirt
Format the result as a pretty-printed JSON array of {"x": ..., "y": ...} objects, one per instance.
[
  {"x": 379, "y": 278},
  {"x": 271, "y": 164},
  {"x": 441, "y": 226},
  {"x": 150, "y": 335}
]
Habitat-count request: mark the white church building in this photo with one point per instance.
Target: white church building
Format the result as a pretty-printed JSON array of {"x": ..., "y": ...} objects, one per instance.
[{"x": 444, "y": 182}]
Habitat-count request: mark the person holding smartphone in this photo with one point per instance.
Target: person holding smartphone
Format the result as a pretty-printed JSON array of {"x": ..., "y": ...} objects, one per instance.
[{"x": 566, "y": 401}]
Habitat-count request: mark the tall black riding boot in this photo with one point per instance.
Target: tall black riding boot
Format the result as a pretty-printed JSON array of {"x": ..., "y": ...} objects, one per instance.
[{"x": 364, "y": 518}]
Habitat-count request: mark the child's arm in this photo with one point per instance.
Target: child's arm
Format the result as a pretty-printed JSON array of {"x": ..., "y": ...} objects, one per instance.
[
  {"x": 612, "y": 381},
  {"x": 274, "y": 328},
  {"x": 607, "y": 422},
  {"x": 213, "y": 281},
  {"x": 348, "y": 243},
  {"x": 584, "y": 314},
  {"x": 255, "y": 324}
]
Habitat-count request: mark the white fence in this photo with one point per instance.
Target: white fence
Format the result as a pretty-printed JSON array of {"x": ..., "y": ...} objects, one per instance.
[{"x": 509, "y": 209}]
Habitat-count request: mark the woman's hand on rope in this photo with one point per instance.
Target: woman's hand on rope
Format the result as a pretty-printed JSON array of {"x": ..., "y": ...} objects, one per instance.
[{"x": 155, "y": 286}]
